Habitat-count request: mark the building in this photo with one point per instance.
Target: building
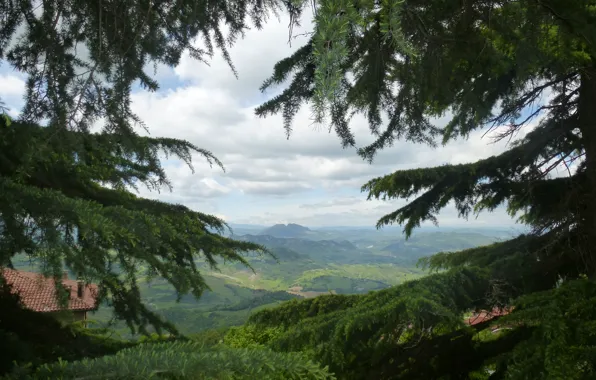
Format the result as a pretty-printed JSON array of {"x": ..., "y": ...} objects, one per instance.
[
  {"x": 38, "y": 293},
  {"x": 484, "y": 316}
]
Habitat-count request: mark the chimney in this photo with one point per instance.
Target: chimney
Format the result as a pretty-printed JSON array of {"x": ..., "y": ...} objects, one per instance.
[
  {"x": 65, "y": 275},
  {"x": 80, "y": 288}
]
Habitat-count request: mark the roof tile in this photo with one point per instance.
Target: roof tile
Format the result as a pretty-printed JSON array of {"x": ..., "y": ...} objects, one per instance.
[
  {"x": 484, "y": 315},
  {"x": 38, "y": 293}
]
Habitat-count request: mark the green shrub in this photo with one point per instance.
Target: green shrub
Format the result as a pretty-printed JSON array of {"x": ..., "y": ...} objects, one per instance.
[
  {"x": 251, "y": 336},
  {"x": 157, "y": 338},
  {"x": 182, "y": 360},
  {"x": 209, "y": 337}
]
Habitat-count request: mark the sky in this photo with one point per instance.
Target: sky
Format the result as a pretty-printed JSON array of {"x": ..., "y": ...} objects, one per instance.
[{"x": 309, "y": 179}]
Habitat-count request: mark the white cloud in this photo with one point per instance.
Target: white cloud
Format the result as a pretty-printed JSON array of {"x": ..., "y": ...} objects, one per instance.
[
  {"x": 12, "y": 89},
  {"x": 271, "y": 188},
  {"x": 355, "y": 211},
  {"x": 11, "y": 86},
  {"x": 252, "y": 56},
  {"x": 332, "y": 203},
  {"x": 307, "y": 179}
]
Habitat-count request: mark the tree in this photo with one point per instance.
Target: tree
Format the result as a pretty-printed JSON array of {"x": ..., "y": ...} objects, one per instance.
[
  {"x": 34, "y": 338},
  {"x": 65, "y": 190},
  {"x": 184, "y": 360},
  {"x": 501, "y": 65}
]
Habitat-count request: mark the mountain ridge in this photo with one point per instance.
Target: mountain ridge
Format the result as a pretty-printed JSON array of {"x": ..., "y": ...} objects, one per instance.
[{"x": 289, "y": 230}]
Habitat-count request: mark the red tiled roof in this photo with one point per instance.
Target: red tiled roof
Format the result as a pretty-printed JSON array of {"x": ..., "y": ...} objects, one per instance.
[
  {"x": 484, "y": 316},
  {"x": 38, "y": 293}
]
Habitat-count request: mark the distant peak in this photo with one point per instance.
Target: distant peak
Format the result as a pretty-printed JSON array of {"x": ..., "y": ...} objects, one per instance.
[
  {"x": 294, "y": 225},
  {"x": 285, "y": 230}
]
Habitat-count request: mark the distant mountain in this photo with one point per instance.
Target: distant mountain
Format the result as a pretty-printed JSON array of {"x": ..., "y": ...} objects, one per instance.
[
  {"x": 366, "y": 247},
  {"x": 290, "y": 230},
  {"x": 286, "y": 254},
  {"x": 331, "y": 251},
  {"x": 242, "y": 229}
]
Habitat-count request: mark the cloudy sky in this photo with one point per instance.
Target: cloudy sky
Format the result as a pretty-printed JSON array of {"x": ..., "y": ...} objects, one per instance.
[{"x": 308, "y": 179}]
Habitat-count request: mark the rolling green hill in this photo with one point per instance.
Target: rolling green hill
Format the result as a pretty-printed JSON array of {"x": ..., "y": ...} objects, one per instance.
[
  {"x": 226, "y": 304},
  {"x": 354, "y": 261},
  {"x": 327, "y": 251}
]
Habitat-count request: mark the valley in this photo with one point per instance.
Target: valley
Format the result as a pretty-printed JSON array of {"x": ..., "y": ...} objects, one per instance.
[{"x": 302, "y": 263}]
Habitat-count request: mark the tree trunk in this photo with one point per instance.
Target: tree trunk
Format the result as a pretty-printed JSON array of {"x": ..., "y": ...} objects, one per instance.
[{"x": 587, "y": 126}]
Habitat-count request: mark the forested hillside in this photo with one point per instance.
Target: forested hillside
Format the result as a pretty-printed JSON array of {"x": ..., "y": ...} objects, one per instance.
[
  {"x": 338, "y": 305},
  {"x": 297, "y": 268}
]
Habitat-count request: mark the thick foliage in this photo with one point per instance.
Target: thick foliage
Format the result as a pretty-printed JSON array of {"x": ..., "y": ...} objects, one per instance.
[
  {"x": 463, "y": 59},
  {"x": 64, "y": 190},
  {"x": 498, "y": 66},
  {"x": 184, "y": 360},
  {"x": 483, "y": 64},
  {"x": 69, "y": 204},
  {"x": 563, "y": 340},
  {"x": 30, "y": 338},
  {"x": 250, "y": 336},
  {"x": 83, "y": 57},
  {"x": 416, "y": 331},
  {"x": 357, "y": 335}
]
